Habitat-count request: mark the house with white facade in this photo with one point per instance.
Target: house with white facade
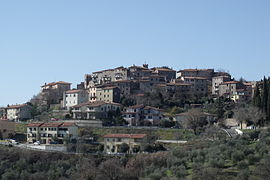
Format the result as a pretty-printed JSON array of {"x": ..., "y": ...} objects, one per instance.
[
  {"x": 47, "y": 133},
  {"x": 74, "y": 97},
  {"x": 113, "y": 142},
  {"x": 94, "y": 110},
  {"x": 18, "y": 112}
]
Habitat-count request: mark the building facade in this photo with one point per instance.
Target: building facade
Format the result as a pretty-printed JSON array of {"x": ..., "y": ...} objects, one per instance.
[
  {"x": 113, "y": 142},
  {"x": 74, "y": 97},
  {"x": 94, "y": 110},
  {"x": 216, "y": 81},
  {"x": 229, "y": 89},
  {"x": 53, "y": 92},
  {"x": 140, "y": 115},
  {"x": 199, "y": 85},
  {"x": 18, "y": 112},
  {"x": 206, "y": 73},
  {"x": 47, "y": 133},
  {"x": 108, "y": 94}
]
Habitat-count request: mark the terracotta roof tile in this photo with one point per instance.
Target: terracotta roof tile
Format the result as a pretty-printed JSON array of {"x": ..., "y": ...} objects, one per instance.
[
  {"x": 16, "y": 106},
  {"x": 74, "y": 91},
  {"x": 34, "y": 124},
  {"x": 55, "y": 83}
]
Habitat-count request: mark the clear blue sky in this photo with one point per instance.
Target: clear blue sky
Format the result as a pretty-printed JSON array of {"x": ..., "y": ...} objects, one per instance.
[{"x": 52, "y": 40}]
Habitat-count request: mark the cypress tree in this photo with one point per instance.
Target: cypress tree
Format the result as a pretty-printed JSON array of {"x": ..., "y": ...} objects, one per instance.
[
  {"x": 257, "y": 97},
  {"x": 264, "y": 95},
  {"x": 268, "y": 104}
]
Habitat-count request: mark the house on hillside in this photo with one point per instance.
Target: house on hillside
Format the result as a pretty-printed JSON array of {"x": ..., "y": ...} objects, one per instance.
[
  {"x": 53, "y": 92},
  {"x": 47, "y": 133},
  {"x": 113, "y": 142},
  {"x": 74, "y": 97},
  {"x": 140, "y": 115},
  {"x": 94, "y": 110},
  {"x": 18, "y": 112},
  {"x": 108, "y": 94}
]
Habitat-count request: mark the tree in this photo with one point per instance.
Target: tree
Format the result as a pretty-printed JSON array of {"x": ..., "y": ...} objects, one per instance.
[
  {"x": 195, "y": 120},
  {"x": 220, "y": 107},
  {"x": 257, "y": 97},
  {"x": 268, "y": 105},
  {"x": 264, "y": 95},
  {"x": 249, "y": 114},
  {"x": 123, "y": 148}
]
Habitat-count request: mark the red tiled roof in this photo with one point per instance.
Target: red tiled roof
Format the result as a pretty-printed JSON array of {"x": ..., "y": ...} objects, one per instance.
[
  {"x": 132, "y": 136},
  {"x": 95, "y": 104},
  {"x": 136, "y": 106},
  {"x": 165, "y": 69},
  {"x": 55, "y": 83},
  {"x": 67, "y": 124},
  {"x": 16, "y": 106},
  {"x": 178, "y": 84},
  {"x": 231, "y": 82},
  {"x": 140, "y": 95},
  {"x": 51, "y": 124},
  {"x": 34, "y": 124},
  {"x": 74, "y": 91},
  {"x": 150, "y": 107},
  {"x": 202, "y": 78},
  {"x": 107, "y": 88}
]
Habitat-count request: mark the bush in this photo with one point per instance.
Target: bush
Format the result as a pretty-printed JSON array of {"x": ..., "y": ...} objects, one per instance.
[{"x": 123, "y": 148}]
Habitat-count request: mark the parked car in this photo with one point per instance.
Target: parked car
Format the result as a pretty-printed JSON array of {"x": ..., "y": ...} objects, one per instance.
[{"x": 37, "y": 143}]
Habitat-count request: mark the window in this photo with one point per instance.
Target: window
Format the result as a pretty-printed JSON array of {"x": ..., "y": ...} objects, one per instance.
[{"x": 41, "y": 129}]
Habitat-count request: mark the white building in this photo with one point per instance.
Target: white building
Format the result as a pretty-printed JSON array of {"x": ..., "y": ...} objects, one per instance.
[
  {"x": 74, "y": 97},
  {"x": 18, "y": 112},
  {"x": 46, "y": 133},
  {"x": 94, "y": 110},
  {"x": 92, "y": 93}
]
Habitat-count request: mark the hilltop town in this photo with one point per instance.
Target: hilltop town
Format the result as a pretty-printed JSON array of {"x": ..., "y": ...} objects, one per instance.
[
  {"x": 136, "y": 96},
  {"x": 153, "y": 112}
]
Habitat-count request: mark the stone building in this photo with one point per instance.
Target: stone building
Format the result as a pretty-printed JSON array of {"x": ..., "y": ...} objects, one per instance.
[
  {"x": 216, "y": 81},
  {"x": 53, "y": 92},
  {"x": 108, "y": 94},
  {"x": 205, "y": 73}
]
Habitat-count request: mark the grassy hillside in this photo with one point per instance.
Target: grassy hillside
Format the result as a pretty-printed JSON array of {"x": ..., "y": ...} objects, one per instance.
[{"x": 164, "y": 134}]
